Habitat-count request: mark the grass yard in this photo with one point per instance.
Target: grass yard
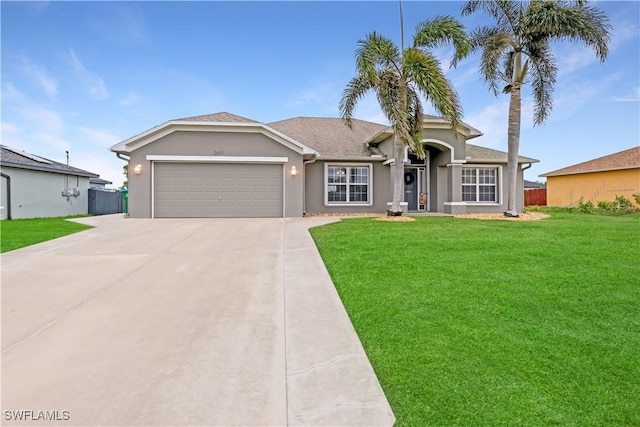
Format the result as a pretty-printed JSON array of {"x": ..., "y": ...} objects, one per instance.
[
  {"x": 484, "y": 323},
  {"x": 19, "y": 233}
]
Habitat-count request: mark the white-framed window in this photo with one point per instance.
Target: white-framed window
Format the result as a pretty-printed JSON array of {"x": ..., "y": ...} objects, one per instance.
[
  {"x": 480, "y": 184},
  {"x": 348, "y": 184}
]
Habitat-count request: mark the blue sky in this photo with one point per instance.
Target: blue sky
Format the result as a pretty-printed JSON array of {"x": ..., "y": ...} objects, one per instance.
[{"x": 82, "y": 76}]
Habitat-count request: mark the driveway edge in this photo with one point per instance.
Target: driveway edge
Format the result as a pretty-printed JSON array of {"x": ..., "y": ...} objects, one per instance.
[{"x": 330, "y": 380}]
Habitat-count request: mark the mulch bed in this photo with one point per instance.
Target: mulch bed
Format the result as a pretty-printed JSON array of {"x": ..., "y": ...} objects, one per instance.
[{"x": 526, "y": 216}]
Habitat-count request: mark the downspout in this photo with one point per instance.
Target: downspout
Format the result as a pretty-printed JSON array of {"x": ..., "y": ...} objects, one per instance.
[
  {"x": 126, "y": 159},
  {"x": 304, "y": 184},
  {"x": 524, "y": 169},
  {"x": 4, "y": 175}
]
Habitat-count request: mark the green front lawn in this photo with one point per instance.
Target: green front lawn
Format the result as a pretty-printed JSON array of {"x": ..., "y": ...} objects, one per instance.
[
  {"x": 19, "y": 233},
  {"x": 484, "y": 323}
]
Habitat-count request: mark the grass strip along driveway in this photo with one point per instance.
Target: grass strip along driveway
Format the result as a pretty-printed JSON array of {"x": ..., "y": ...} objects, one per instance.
[
  {"x": 18, "y": 233},
  {"x": 470, "y": 322}
]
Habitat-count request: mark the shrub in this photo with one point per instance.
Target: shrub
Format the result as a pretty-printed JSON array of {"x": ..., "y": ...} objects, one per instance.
[
  {"x": 586, "y": 207},
  {"x": 607, "y": 207},
  {"x": 637, "y": 197},
  {"x": 623, "y": 202}
]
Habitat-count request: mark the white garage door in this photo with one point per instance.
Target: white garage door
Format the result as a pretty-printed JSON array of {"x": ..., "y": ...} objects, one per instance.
[{"x": 209, "y": 190}]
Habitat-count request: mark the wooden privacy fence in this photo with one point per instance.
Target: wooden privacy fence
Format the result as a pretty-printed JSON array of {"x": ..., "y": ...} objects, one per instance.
[
  {"x": 535, "y": 197},
  {"x": 104, "y": 202}
]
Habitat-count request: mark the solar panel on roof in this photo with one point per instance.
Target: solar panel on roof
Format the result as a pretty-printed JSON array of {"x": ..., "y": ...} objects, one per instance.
[{"x": 28, "y": 156}]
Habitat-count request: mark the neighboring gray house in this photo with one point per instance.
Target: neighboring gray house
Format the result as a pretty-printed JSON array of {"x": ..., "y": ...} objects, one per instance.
[
  {"x": 99, "y": 183},
  {"x": 34, "y": 187},
  {"x": 223, "y": 165}
]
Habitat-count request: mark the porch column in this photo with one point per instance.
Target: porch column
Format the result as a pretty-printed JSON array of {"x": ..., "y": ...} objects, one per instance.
[{"x": 454, "y": 204}]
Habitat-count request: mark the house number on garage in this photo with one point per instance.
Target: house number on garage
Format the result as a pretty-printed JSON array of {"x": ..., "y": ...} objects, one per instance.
[{"x": 218, "y": 153}]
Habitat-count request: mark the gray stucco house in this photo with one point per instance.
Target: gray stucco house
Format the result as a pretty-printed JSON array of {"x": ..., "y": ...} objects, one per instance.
[
  {"x": 224, "y": 165},
  {"x": 35, "y": 187}
]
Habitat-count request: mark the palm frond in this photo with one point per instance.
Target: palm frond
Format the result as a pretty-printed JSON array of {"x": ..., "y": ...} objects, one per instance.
[
  {"x": 376, "y": 53},
  {"x": 495, "y": 45},
  {"x": 355, "y": 90},
  {"x": 442, "y": 31},
  {"x": 504, "y": 12},
  {"x": 543, "y": 77},
  {"x": 577, "y": 23},
  {"x": 423, "y": 69},
  {"x": 416, "y": 120},
  {"x": 389, "y": 93}
]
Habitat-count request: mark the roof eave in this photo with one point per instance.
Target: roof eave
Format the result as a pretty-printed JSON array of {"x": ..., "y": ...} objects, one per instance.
[
  {"x": 555, "y": 173},
  {"x": 157, "y": 132},
  {"x": 352, "y": 158},
  {"x": 50, "y": 170}
]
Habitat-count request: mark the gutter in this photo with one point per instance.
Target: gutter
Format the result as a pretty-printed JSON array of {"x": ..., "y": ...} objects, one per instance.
[
  {"x": 119, "y": 155},
  {"x": 4, "y": 175}
]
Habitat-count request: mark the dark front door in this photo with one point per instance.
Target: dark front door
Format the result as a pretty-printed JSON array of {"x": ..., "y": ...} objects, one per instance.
[{"x": 411, "y": 188}]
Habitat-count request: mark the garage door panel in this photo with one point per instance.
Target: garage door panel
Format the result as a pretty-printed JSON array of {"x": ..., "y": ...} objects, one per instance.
[{"x": 218, "y": 190}]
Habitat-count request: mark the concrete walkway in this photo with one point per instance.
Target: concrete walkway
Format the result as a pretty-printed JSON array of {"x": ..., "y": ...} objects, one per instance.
[{"x": 182, "y": 322}]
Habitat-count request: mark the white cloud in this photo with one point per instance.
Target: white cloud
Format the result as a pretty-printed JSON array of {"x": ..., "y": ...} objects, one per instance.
[
  {"x": 93, "y": 84},
  {"x": 129, "y": 100},
  {"x": 579, "y": 93},
  {"x": 624, "y": 31},
  {"x": 98, "y": 137},
  {"x": 51, "y": 143},
  {"x": 318, "y": 94},
  {"x": 47, "y": 83},
  {"x": 575, "y": 59},
  {"x": 8, "y": 128},
  {"x": 46, "y": 120},
  {"x": 107, "y": 165},
  {"x": 492, "y": 122},
  {"x": 10, "y": 93},
  {"x": 633, "y": 95}
]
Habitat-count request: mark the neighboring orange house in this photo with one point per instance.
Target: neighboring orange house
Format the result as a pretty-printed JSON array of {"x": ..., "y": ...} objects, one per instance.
[{"x": 600, "y": 179}]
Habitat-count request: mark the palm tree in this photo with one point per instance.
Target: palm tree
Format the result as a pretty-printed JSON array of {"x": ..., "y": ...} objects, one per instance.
[
  {"x": 399, "y": 77},
  {"x": 517, "y": 50}
]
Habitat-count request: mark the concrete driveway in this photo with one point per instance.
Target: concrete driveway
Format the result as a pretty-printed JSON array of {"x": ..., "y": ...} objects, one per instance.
[{"x": 181, "y": 322}]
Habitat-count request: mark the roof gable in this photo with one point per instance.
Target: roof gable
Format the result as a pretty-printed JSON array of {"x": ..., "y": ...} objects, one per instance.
[
  {"x": 11, "y": 157},
  {"x": 476, "y": 153},
  {"x": 221, "y": 117},
  {"x": 627, "y": 159},
  {"x": 330, "y": 137},
  {"x": 217, "y": 122}
]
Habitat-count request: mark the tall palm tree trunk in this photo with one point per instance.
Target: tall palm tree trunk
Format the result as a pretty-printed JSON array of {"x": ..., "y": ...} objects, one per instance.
[
  {"x": 398, "y": 179},
  {"x": 513, "y": 142}
]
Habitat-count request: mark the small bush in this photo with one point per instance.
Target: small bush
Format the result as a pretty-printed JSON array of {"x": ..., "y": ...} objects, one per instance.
[
  {"x": 586, "y": 207},
  {"x": 637, "y": 197},
  {"x": 620, "y": 206},
  {"x": 606, "y": 206}
]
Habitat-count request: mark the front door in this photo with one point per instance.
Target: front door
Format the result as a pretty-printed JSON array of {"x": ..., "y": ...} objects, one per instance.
[{"x": 411, "y": 188}]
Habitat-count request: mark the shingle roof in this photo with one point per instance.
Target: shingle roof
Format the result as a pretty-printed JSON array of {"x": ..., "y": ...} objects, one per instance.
[
  {"x": 533, "y": 184},
  {"x": 475, "y": 153},
  {"x": 627, "y": 159},
  {"x": 218, "y": 117},
  {"x": 11, "y": 157},
  {"x": 330, "y": 137},
  {"x": 99, "y": 181}
]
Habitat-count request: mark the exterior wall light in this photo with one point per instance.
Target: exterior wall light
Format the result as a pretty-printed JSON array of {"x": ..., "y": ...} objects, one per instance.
[
  {"x": 137, "y": 169},
  {"x": 294, "y": 171}
]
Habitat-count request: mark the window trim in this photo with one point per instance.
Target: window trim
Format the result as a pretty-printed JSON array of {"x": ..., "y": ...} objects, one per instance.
[
  {"x": 327, "y": 203},
  {"x": 498, "y": 184}
]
